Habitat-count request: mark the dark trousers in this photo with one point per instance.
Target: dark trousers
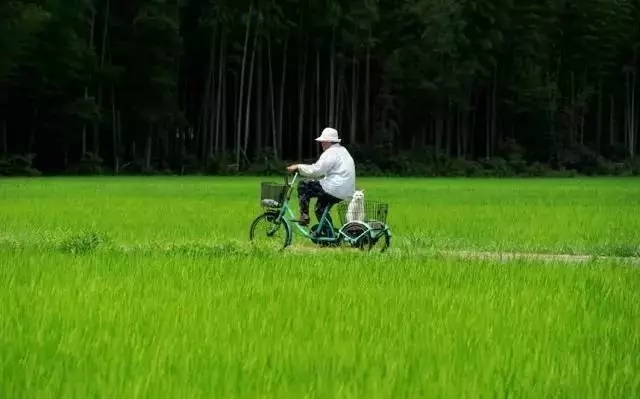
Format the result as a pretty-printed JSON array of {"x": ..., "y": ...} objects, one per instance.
[{"x": 308, "y": 189}]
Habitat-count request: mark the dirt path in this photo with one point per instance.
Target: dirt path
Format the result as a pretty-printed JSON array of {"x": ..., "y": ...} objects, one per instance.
[
  {"x": 487, "y": 255},
  {"x": 507, "y": 256},
  {"x": 308, "y": 248}
]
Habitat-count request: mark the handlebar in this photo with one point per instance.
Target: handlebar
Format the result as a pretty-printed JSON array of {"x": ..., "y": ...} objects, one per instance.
[{"x": 286, "y": 178}]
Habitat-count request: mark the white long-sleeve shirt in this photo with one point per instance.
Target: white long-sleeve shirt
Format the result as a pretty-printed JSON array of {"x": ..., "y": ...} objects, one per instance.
[{"x": 338, "y": 169}]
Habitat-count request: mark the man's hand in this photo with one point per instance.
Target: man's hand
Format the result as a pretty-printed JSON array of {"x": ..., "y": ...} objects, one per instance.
[{"x": 292, "y": 168}]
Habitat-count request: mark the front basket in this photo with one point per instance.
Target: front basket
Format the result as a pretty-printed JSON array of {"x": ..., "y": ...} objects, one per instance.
[{"x": 272, "y": 191}]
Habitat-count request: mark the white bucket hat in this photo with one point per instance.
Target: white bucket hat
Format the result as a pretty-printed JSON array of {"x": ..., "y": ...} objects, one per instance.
[{"x": 329, "y": 135}]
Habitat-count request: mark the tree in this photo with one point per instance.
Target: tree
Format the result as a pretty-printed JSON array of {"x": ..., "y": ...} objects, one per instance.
[{"x": 416, "y": 86}]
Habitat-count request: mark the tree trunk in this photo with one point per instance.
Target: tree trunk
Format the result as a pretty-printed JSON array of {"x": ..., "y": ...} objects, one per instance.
[
  {"x": 572, "y": 119},
  {"x": 221, "y": 83},
  {"x": 86, "y": 89},
  {"x": 612, "y": 120},
  {"x": 32, "y": 134},
  {"x": 96, "y": 126},
  {"x": 3, "y": 136},
  {"x": 317, "y": 95},
  {"x": 599, "y": 119},
  {"x": 165, "y": 145},
  {"x": 458, "y": 132},
  {"x": 488, "y": 120},
  {"x": 581, "y": 110},
  {"x": 439, "y": 130},
  {"x": 147, "y": 157},
  {"x": 635, "y": 115},
  {"x": 206, "y": 98},
  {"x": 311, "y": 116},
  {"x": 327, "y": 105},
  {"x": 332, "y": 65},
  {"x": 208, "y": 133},
  {"x": 248, "y": 113},
  {"x": 494, "y": 106},
  {"x": 465, "y": 133},
  {"x": 301, "y": 88},
  {"x": 272, "y": 102},
  {"x": 114, "y": 114},
  {"x": 339, "y": 100},
  {"x": 367, "y": 88},
  {"x": 289, "y": 123},
  {"x": 84, "y": 128},
  {"x": 282, "y": 85},
  {"x": 119, "y": 134},
  {"x": 223, "y": 132},
  {"x": 354, "y": 100},
  {"x": 471, "y": 150},
  {"x": 236, "y": 114},
  {"x": 630, "y": 113},
  {"x": 260, "y": 104},
  {"x": 553, "y": 107},
  {"x": 449, "y": 130},
  {"x": 241, "y": 89}
]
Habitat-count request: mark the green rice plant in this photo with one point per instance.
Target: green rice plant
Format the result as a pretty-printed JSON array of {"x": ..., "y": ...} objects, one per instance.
[
  {"x": 83, "y": 242},
  {"x": 133, "y": 287},
  {"x": 572, "y": 216},
  {"x": 243, "y": 324}
]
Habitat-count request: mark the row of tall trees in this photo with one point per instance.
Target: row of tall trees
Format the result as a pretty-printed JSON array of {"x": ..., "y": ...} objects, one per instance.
[{"x": 213, "y": 84}]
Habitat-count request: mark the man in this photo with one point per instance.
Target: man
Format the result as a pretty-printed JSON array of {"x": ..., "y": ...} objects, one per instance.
[{"x": 339, "y": 181}]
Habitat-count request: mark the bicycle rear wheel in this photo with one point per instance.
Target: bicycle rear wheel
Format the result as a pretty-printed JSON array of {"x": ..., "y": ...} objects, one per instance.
[
  {"x": 268, "y": 231},
  {"x": 358, "y": 232},
  {"x": 380, "y": 241}
]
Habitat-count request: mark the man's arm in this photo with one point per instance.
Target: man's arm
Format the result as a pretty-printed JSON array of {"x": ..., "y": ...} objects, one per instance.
[{"x": 320, "y": 168}]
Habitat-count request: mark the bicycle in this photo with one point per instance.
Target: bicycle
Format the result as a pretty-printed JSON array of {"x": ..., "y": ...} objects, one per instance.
[{"x": 278, "y": 215}]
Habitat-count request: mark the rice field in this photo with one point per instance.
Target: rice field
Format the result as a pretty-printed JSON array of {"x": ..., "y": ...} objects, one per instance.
[{"x": 147, "y": 287}]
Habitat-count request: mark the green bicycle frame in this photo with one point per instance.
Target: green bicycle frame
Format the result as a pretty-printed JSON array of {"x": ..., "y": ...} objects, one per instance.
[
  {"x": 285, "y": 210},
  {"x": 284, "y": 213}
]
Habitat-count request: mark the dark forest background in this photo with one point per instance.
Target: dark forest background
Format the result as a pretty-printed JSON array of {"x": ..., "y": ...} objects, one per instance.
[{"x": 415, "y": 87}]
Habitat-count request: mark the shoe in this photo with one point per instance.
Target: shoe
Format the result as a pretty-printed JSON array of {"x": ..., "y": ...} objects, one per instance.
[{"x": 304, "y": 219}]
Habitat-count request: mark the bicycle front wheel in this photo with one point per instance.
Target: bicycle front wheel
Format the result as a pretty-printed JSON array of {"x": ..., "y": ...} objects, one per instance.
[{"x": 268, "y": 231}]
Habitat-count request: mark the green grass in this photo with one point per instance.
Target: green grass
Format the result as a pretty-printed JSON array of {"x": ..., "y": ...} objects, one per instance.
[
  {"x": 138, "y": 287},
  {"x": 573, "y": 216}
]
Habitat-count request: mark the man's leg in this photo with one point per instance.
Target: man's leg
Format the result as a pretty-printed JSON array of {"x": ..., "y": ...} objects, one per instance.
[
  {"x": 324, "y": 201},
  {"x": 307, "y": 189}
]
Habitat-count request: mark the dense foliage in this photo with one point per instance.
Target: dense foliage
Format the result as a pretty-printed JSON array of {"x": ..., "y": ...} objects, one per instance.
[{"x": 421, "y": 87}]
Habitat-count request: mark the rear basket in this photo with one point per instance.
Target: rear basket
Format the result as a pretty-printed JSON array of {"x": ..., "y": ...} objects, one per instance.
[
  {"x": 272, "y": 191},
  {"x": 373, "y": 211}
]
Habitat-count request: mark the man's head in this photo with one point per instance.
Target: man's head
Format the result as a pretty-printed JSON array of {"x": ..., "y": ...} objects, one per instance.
[{"x": 328, "y": 137}]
